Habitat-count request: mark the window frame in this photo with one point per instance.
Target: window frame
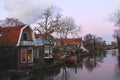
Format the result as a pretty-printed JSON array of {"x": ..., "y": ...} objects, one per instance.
[
  {"x": 46, "y": 51},
  {"x": 25, "y": 56},
  {"x": 27, "y": 36},
  {"x": 50, "y": 49},
  {"x": 31, "y": 55}
]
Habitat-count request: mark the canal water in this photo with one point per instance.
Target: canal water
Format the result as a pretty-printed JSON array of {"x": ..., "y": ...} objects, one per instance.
[{"x": 102, "y": 66}]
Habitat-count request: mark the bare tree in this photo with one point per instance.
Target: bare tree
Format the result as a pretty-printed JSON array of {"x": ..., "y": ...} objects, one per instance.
[
  {"x": 75, "y": 33},
  {"x": 48, "y": 22},
  {"x": 52, "y": 21},
  {"x": 10, "y": 22},
  {"x": 66, "y": 26},
  {"x": 94, "y": 43},
  {"x": 116, "y": 34},
  {"x": 89, "y": 39},
  {"x": 116, "y": 17}
]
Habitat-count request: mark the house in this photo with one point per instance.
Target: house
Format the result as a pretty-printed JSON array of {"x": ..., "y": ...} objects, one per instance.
[
  {"x": 72, "y": 43},
  {"x": 69, "y": 42},
  {"x": 16, "y": 47},
  {"x": 45, "y": 50}
]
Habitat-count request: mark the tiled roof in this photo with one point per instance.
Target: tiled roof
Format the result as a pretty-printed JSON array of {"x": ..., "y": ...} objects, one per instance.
[
  {"x": 71, "y": 40},
  {"x": 43, "y": 35},
  {"x": 42, "y": 41},
  {"x": 10, "y": 35}
]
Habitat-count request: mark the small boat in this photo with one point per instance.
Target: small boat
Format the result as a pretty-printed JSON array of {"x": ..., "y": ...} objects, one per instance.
[{"x": 71, "y": 59}]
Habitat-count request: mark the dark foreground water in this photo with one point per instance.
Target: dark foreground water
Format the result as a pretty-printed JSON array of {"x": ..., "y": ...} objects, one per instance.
[{"x": 104, "y": 66}]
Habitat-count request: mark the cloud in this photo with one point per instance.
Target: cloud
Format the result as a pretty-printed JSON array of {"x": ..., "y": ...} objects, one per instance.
[{"x": 28, "y": 11}]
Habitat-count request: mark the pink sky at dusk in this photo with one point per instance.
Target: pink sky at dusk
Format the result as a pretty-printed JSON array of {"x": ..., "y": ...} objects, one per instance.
[{"x": 92, "y": 15}]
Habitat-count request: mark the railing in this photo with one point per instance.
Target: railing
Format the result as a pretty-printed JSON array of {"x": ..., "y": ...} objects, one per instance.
[{"x": 29, "y": 43}]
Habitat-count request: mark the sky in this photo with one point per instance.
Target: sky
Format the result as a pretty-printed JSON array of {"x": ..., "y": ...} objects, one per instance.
[{"x": 92, "y": 15}]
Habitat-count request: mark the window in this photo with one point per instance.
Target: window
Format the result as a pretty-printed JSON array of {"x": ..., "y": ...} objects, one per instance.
[
  {"x": 30, "y": 55},
  {"x": 25, "y": 36},
  {"x": 23, "y": 56},
  {"x": 46, "y": 51},
  {"x": 36, "y": 53},
  {"x": 51, "y": 49},
  {"x": 26, "y": 55},
  {"x": 46, "y": 55},
  {"x": 46, "y": 48}
]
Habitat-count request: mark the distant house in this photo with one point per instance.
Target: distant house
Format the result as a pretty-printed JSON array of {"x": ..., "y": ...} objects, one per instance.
[
  {"x": 72, "y": 43},
  {"x": 45, "y": 49},
  {"x": 69, "y": 41},
  {"x": 16, "y": 47}
]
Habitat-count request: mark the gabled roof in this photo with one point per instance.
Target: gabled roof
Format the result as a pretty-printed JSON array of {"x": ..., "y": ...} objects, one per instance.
[
  {"x": 10, "y": 36},
  {"x": 41, "y": 41},
  {"x": 71, "y": 40}
]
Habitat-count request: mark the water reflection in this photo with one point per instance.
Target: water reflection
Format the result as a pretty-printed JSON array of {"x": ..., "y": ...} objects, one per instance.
[
  {"x": 94, "y": 67},
  {"x": 93, "y": 61},
  {"x": 97, "y": 66},
  {"x": 47, "y": 74},
  {"x": 84, "y": 66},
  {"x": 82, "y": 70},
  {"x": 117, "y": 68}
]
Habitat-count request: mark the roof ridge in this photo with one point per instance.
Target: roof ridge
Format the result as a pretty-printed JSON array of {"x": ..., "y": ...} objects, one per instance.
[{"x": 13, "y": 26}]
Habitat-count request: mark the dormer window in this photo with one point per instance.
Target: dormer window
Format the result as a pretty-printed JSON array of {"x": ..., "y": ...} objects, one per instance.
[{"x": 25, "y": 36}]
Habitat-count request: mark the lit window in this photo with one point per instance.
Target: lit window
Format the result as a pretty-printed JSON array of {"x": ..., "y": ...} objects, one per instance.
[
  {"x": 30, "y": 55},
  {"x": 23, "y": 56}
]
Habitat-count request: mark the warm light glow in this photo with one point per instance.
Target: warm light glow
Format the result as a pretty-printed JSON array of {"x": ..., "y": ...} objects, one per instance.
[
  {"x": 29, "y": 56},
  {"x": 26, "y": 56},
  {"x": 23, "y": 56}
]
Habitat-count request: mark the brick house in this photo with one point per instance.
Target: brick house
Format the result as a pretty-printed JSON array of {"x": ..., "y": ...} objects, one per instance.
[
  {"x": 16, "y": 47},
  {"x": 45, "y": 49},
  {"x": 72, "y": 42}
]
